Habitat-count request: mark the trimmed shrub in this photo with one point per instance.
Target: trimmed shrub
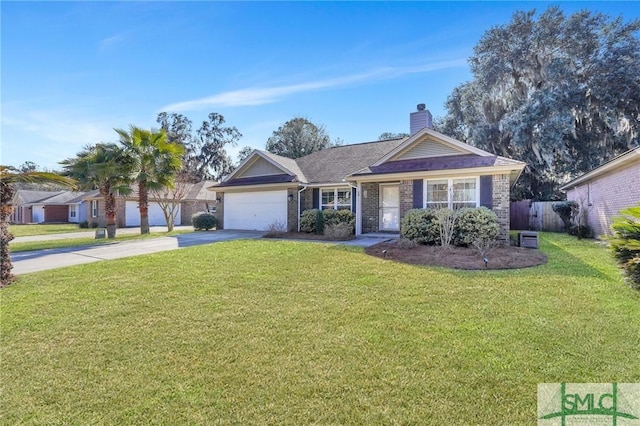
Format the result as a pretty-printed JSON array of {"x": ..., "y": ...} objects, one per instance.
[
  {"x": 319, "y": 222},
  {"x": 418, "y": 226},
  {"x": 338, "y": 231},
  {"x": 203, "y": 220},
  {"x": 475, "y": 224},
  {"x": 625, "y": 244},
  {"x": 581, "y": 231},
  {"x": 93, "y": 225},
  {"x": 308, "y": 221},
  {"x": 406, "y": 244},
  {"x": 567, "y": 210},
  {"x": 84, "y": 224},
  {"x": 336, "y": 217},
  {"x": 447, "y": 222}
]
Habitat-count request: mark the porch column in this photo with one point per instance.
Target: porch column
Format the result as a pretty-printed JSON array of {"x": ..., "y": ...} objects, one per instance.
[{"x": 359, "y": 209}]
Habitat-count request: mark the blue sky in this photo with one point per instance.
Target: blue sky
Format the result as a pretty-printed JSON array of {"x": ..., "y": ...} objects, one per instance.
[{"x": 73, "y": 71}]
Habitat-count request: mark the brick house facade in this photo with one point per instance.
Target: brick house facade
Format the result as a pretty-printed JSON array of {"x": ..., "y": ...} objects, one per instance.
[{"x": 604, "y": 191}]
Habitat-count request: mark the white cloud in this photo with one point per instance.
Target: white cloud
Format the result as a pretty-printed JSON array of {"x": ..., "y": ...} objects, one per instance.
[
  {"x": 109, "y": 42},
  {"x": 266, "y": 95}
]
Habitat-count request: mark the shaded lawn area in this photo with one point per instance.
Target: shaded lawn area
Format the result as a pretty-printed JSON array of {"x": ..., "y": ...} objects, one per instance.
[
  {"x": 281, "y": 332},
  {"x": 75, "y": 242},
  {"x": 46, "y": 229}
]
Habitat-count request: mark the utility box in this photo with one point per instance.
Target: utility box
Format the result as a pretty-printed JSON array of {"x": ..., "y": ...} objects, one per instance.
[
  {"x": 528, "y": 239},
  {"x": 101, "y": 233}
]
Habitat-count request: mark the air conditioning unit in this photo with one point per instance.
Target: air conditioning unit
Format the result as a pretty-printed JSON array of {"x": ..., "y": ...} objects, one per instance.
[{"x": 528, "y": 239}]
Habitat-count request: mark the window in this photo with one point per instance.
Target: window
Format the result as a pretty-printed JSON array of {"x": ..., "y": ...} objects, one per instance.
[
  {"x": 72, "y": 211},
  {"x": 335, "y": 198},
  {"x": 94, "y": 208},
  {"x": 452, "y": 193}
]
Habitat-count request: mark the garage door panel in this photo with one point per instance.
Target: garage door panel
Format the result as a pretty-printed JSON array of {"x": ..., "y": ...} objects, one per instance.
[{"x": 255, "y": 210}]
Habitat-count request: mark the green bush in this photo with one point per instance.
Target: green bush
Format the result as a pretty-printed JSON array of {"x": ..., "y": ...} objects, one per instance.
[
  {"x": 419, "y": 226},
  {"x": 203, "y": 220},
  {"x": 626, "y": 244},
  {"x": 308, "y": 221},
  {"x": 84, "y": 224},
  {"x": 567, "y": 210},
  {"x": 93, "y": 225},
  {"x": 476, "y": 224},
  {"x": 312, "y": 220},
  {"x": 581, "y": 231},
  {"x": 337, "y": 217},
  {"x": 319, "y": 222}
]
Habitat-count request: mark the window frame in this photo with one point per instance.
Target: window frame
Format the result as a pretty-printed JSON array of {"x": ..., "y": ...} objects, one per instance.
[
  {"x": 334, "y": 204},
  {"x": 94, "y": 208},
  {"x": 450, "y": 186},
  {"x": 73, "y": 211}
]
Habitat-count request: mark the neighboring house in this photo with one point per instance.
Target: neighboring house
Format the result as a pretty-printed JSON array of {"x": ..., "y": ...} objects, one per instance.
[
  {"x": 23, "y": 202},
  {"x": 606, "y": 190},
  {"x": 196, "y": 199},
  {"x": 378, "y": 181}
]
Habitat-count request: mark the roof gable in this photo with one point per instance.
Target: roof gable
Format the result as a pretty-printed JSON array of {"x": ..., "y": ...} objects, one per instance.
[
  {"x": 259, "y": 167},
  {"x": 262, "y": 163},
  {"x": 427, "y": 143}
]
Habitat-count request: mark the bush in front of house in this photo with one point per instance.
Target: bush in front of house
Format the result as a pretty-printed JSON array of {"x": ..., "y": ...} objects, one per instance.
[
  {"x": 625, "y": 244},
  {"x": 337, "y": 217},
  {"x": 476, "y": 225},
  {"x": 419, "y": 225},
  {"x": 338, "y": 231},
  {"x": 315, "y": 220},
  {"x": 203, "y": 220},
  {"x": 93, "y": 225},
  {"x": 308, "y": 221},
  {"x": 581, "y": 231},
  {"x": 84, "y": 224}
]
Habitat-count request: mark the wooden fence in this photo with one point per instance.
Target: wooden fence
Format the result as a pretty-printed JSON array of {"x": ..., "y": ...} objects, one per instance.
[{"x": 535, "y": 216}]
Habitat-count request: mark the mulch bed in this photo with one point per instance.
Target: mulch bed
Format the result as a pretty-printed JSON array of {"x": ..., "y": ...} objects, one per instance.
[{"x": 459, "y": 257}]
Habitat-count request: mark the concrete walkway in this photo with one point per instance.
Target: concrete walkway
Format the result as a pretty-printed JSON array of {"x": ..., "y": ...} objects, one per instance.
[{"x": 42, "y": 260}]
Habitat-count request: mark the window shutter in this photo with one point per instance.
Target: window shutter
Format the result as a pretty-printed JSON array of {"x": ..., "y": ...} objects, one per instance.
[
  {"x": 486, "y": 191},
  {"x": 418, "y": 202},
  {"x": 353, "y": 199},
  {"x": 316, "y": 198}
]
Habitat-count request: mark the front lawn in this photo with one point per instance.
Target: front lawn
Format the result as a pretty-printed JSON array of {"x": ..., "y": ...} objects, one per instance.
[
  {"x": 85, "y": 241},
  {"x": 282, "y": 332},
  {"x": 46, "y": 229}
]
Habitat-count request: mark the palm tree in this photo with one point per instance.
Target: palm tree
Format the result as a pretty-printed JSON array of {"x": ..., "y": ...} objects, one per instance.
[
  {"x": 156, "y": 161},
  {"x": 9, "y": 177},
  {"x": 103, "y": 166}
]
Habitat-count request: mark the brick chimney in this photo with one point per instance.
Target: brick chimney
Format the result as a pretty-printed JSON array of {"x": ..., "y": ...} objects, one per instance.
[{"x": 420, "y": 119}]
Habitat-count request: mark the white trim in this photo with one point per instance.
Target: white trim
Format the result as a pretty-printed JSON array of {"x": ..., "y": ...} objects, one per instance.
[
  {"x": 95, "y": 211},
  {"x": 450, "y": 190},
  {"x": 437, "y": 135},
  {"x": 359, "y": 209},
  {"x": 335, "y": 197},
  {"x": 253, "y": 157},
  {"x": 259, "y": 187},
  {"x": 299, "y": 212},
  {"x": 428, "y": 174}
]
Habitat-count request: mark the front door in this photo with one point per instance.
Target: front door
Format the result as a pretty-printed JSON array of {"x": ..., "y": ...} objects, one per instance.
[{"x": 389, "y": 207}]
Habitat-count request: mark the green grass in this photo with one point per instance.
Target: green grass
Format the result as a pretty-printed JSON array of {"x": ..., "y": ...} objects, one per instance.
[
  {"x": 74, "y": 242},
  {"x": 45, "y": 229},
  {"x": 281, "y": 332}
]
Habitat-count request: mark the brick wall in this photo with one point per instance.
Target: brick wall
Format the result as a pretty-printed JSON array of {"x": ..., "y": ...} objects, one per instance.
[
  {"x": 370, "y": 207},
  {"x": 606, "y": 195},
  {"x": 500, "y": 201},
  {"x": 120, "y": 212},
  {"x": 292, "y": 210},
  {"x": 406, "y": 197},
  {"x": 189, "y": 208}
]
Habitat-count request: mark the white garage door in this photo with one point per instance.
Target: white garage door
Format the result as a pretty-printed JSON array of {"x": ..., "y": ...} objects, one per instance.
[
  {"x": 255, "y": 210},
  {"x": 156, "y": 217}
]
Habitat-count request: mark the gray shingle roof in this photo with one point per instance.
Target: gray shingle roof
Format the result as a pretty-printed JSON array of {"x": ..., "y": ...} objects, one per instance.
[
  {"x": 25, "y": 196},
  {"x": 334, "y": 164}
]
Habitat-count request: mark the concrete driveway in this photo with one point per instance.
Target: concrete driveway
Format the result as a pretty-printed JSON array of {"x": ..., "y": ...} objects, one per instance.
[{"x": 42, "y": 260}]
